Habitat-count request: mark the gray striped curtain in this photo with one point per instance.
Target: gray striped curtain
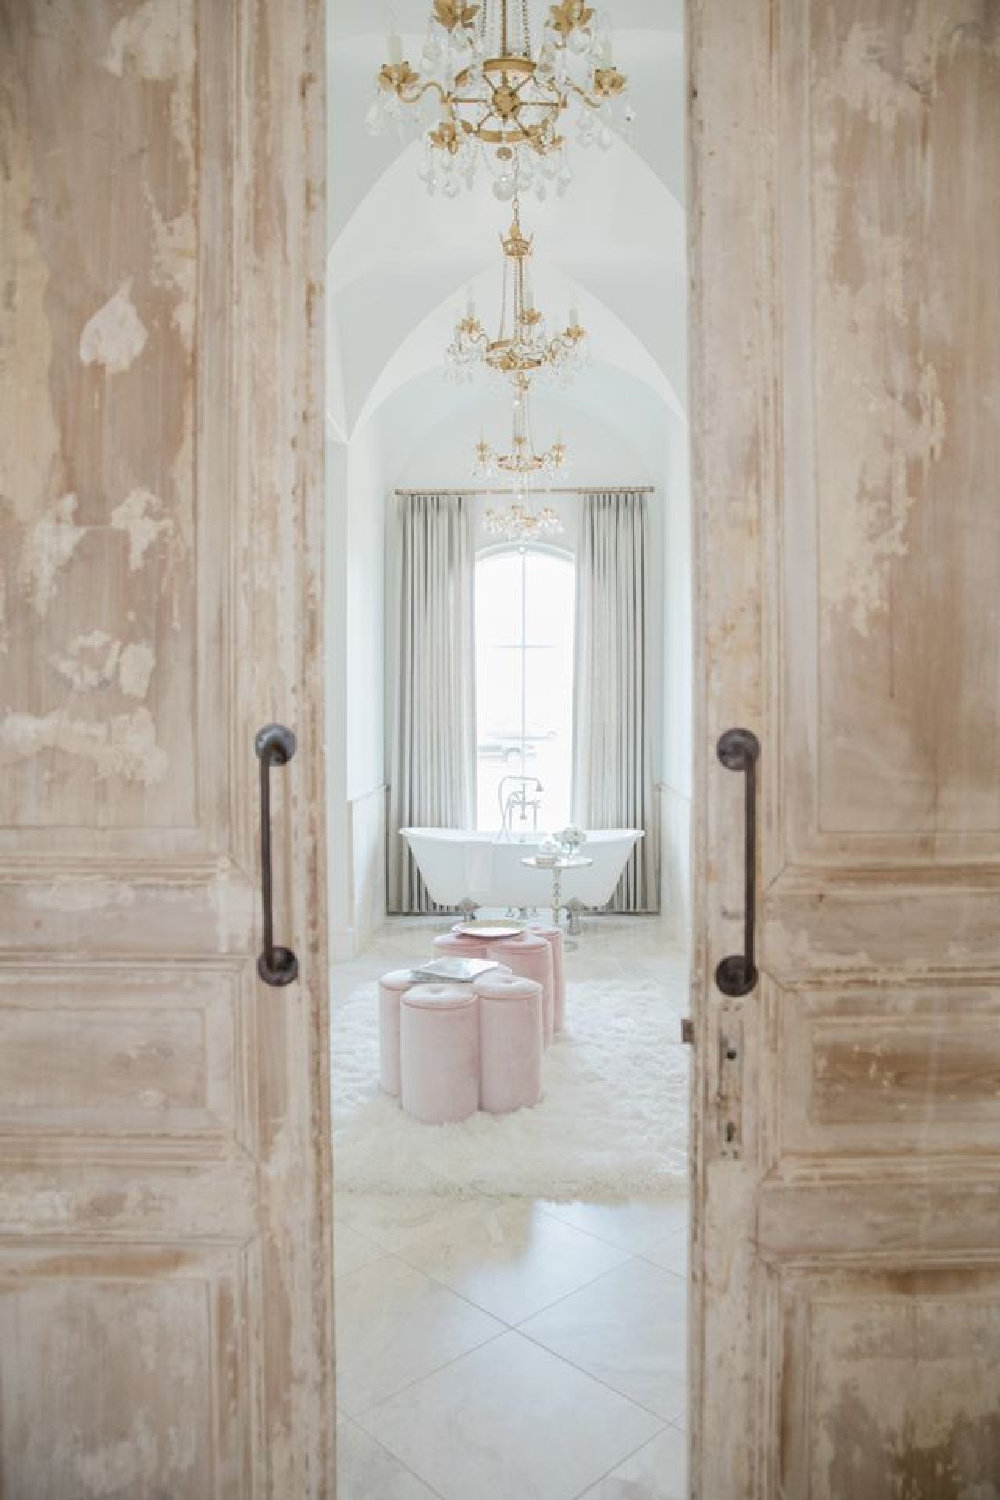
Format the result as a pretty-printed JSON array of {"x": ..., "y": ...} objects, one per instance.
[
  {"x": 612, "y": 770},
  {"x": 431, "y": 708}
]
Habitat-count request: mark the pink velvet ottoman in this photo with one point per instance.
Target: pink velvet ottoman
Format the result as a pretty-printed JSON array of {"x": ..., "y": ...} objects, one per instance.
[
  {"x": 455, "y": 945},
  {"x": 530, "y": 956},
  {"x": 439, "y": 1052},
  {"x": 391, "y": 989},
  {"x": 510, "y": 1042},
  {"x": 554, "y": 937}
]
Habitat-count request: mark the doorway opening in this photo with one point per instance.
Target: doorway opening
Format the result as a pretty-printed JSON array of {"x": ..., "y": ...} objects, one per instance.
[{"x": 509, "y": 743}]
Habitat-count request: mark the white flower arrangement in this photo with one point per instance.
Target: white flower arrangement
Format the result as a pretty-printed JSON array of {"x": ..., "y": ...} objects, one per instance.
[{"x": 571, "y": 838}]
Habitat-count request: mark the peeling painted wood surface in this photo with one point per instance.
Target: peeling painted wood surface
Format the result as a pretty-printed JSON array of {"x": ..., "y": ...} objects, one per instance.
[
  {"x": 165, "y": 1258},
  {"x": 846, "y": 337}
]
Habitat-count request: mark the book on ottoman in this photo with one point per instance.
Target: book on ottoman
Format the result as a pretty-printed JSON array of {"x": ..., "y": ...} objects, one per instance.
[{"x": 455, "y": 970}]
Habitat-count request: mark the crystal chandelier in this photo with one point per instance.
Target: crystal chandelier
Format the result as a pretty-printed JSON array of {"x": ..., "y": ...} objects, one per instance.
[
  {"x": 516, "y": 523},
  {"x": 483, "y": 92},
  {"x": 523, "y": 460},
  {"x": 522, "y": 347}
]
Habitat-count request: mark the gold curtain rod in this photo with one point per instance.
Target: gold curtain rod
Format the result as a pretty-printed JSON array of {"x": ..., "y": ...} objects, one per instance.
[{"x": 560, "y": 489}]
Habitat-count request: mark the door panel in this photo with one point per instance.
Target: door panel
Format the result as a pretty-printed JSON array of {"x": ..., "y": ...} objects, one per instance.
[
  {"x": 165, "y": 1314},
  {"x": 884, "y": 1071},
  {"x": 110, "y": 503},
  {"x": 886, "y": 555},
  {"x": 890, "y": 1381},
  {"x": 166, "y": 1045},
  {"x": 846, "y": 190},
  {"x": 161, "y": 1321}
]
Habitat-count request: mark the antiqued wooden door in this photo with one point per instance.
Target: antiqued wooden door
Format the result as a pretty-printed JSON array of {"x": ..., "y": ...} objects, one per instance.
[
  {"x": 164, "y": 1174},
  {"x": 846, "y": 330}
]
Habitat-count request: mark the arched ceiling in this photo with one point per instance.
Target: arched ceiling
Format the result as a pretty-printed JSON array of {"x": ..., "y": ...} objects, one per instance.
[{"x": 400, "y": 260}]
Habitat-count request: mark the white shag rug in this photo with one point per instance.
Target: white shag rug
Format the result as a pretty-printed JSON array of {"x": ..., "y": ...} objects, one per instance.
[{"x": 613, "y": 1121}]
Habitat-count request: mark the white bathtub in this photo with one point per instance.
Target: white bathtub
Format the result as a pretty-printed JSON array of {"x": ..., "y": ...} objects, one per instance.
[{"x": 461, "y": 865}]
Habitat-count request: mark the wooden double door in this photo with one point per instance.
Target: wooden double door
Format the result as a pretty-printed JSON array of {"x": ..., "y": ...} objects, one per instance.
[{"x": 165, "y": 1259}]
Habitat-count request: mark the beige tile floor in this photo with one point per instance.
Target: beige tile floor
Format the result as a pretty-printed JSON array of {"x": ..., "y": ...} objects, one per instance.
[{"x": 509, "y": 1349}]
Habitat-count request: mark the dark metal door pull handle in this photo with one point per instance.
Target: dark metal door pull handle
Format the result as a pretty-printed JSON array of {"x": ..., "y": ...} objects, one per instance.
[
  {"x": 275, "y": 746},
  {"x": 738, "y": 750}
]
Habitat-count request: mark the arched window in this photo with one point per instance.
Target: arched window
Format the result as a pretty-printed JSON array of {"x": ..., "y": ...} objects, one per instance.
[{"x": 525, "y": 605}]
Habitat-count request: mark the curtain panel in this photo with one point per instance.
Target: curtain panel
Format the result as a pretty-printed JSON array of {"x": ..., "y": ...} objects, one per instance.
[
  {"x": 612, "y": 738},
  {"x": 431, "y": 712}
]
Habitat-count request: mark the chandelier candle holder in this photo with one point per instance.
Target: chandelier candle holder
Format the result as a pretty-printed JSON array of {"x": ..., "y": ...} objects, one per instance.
[
  {"x": 482, "y": 93},
  {"x": 522, "y": 347}
]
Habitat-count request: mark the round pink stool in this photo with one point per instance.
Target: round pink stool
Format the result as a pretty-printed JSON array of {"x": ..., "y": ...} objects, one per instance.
[
  {"x": 554, "y": 937},
  {"x": 510, "y": 1042},
  {"x": 531, "y": 957},
  {"x": 439, "y": 1052},
  {"x": 454, "y": 945},
  {"x": 391, "y": 989}
]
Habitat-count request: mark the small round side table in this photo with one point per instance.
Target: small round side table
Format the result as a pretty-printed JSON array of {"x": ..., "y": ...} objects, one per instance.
[{"x": 557, "y": 866}]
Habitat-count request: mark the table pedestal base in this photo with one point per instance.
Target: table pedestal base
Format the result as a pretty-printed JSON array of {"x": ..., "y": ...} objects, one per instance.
[
  {"x": 573, "y": 907},
  {"x": 573, "y": 910}
]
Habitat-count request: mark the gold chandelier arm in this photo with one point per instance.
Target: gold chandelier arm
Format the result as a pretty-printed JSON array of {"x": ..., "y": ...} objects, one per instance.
[
  {"x": 519, "y": 135},
  {"x": 601, "y": 97},
  {"x": 592, "y": 101},
  {"x": 552, "y": 100},
  {"x": 405, "y": 87},
  {"x": 564, "y": 343}
]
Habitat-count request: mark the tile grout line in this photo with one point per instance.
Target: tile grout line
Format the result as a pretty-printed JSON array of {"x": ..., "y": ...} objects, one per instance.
[
  {"x": 667, "y": 1426},
  {"x": 513, "y": 1327},
  {"x": 609, "y": 1472},
  {"x": 625, "y": 1202},
  {"x": 566, "y": 1296},
  {"x": 392, "y": 1395},
  {"x": 560, "y": 1358},
  {"x": 394, "y": 1456},
  {"x": 664, "y": 1421}
]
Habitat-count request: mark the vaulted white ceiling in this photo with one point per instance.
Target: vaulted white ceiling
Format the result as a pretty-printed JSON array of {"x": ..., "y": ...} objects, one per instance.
[{"x": 400, "y": 261}]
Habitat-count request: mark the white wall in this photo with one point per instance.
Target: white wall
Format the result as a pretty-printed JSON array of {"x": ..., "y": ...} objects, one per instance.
[
  {"x": 335, "y": 624},
  {"x": 355, "y": 672},
  {"x": 675, "y": 791},
  {"x": 365, "y": 612}
]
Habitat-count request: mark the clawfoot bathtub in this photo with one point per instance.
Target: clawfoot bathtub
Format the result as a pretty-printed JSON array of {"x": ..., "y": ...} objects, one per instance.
[{"x": 464, "y": 867}]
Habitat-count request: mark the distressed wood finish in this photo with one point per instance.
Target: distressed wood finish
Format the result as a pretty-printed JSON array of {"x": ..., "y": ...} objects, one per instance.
[
  {"x": 846, "y": 337},
  {"x": 165, "y": 1258}
]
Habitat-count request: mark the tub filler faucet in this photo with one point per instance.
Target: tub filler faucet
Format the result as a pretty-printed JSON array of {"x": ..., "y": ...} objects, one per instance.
[{"x": 518, "y": 797}]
